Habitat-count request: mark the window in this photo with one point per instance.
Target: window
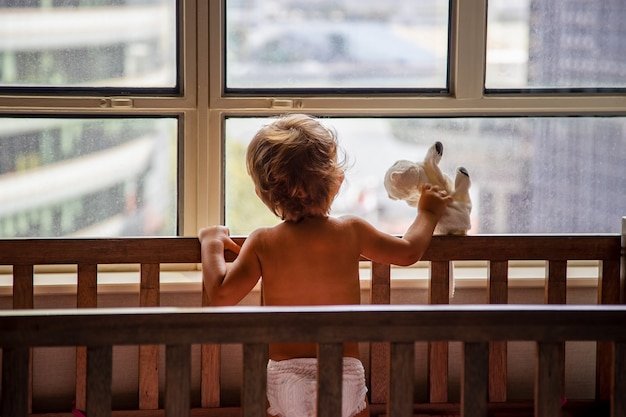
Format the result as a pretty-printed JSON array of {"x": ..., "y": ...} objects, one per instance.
[
  {"x": 64, "y": 44},
  {"x": 529, "y": 175},
  {"x": 297, "y": 45},
  {"x": 527, "y": 95},
  {"x": 86, "y": 177},
  {"x": 97, "y": 167},
  {"x": 542, "y": 44}
]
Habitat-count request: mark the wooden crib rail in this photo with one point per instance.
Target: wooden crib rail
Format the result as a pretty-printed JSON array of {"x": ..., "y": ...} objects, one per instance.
[
  {"x": 497, "y": 250},
  {"x": 187, "y": 250},
  {"x": 255, "y": 327}
]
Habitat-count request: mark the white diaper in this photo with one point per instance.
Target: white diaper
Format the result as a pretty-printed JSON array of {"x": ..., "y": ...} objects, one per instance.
[{"x": 292, "y": 387}]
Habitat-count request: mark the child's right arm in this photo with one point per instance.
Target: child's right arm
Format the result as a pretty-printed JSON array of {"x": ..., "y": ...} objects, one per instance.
[{"x": 227, "y": 285}]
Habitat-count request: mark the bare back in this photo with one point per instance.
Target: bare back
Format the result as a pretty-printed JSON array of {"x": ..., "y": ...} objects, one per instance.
[{"x": 312, "y": 262}]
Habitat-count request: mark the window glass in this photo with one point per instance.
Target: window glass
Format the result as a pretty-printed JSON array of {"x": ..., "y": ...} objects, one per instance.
[
  {"x": 575, "y": 44},
  {"x": 87, "y": 177},
  {"x": 88, "y": 43},
  {"x": 291, "y": 44},
  {"x": 529, "y": 175}
]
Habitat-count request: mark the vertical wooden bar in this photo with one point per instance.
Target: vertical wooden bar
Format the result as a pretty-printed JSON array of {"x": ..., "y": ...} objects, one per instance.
[
  {"x": 177, "y": 380},
  {"x": 549, "y": 379},
  {"x": 15, "y": 382},
  {"x": 380, "y": 293},
  {"x": 24, "y": 298},
  {"x": 86, "y": 297},
  {"x": 99, "y": 378},
  {"x": 622, "y": 275},
  {"x": 210, "y": 376},
  {"x": 498, "y": 293},
  {"x": 609, "y": 282},
  {"x": 618, "y": 389},
  {"x": 254, "y": 397},
  {"x": 556, "y": 293},
  {"x": 475, "y": 380},
  {"x": 618, "y": 380},
  {"x": 556, "y": 285},
  {"x": 401, "y": 380},
  {"x": 438, "y": 293},
  {"x": 149, "y": 296},
  {"x": 209, "y": 368},
  {"x": 87, "y": 286},
  {"x": 148, "y": 377},
  {"x": 329, "y": 379},
  {"x": 23, "y": 288},
  {"x": 608, "y": 293}
]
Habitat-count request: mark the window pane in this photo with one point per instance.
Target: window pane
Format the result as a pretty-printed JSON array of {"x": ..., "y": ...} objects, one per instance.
[
  {"x": 529, "y": 175},
  {"x": 92, "y": 43},
  {"x": 336, "y": 44},
  {"x": 556, "y": 44},
  {"x": 87, "y": 177}
]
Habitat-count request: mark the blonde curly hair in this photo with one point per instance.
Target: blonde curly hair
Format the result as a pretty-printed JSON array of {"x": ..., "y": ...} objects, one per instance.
[{"x": 295, "y": 166}]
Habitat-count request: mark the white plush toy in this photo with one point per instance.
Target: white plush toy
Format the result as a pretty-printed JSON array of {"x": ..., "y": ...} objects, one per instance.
[{"x": 403, "y": 181}]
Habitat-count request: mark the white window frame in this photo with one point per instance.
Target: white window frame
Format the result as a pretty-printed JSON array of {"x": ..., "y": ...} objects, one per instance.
[{"x": 203, "y": 105}]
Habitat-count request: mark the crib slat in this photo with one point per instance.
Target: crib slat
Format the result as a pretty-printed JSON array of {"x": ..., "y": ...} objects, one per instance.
[
  {"x": 81, "y": 377},
  {"x": 86, "y": 297},
  {"x": 149, "y": 354},
  {"x": 24, "y": 298},
  {"x": 177, "y": 380},
  {"x": 148, "y": 377},
  {"x": 150, "y": 285},
  {"x": 604, "y": 362},
  {"x": 608, "y": 293},
  {"x": 379, "y": 351},
  {"x": 15, "y": 381},
  {"x": 439, "y": 288},
  {"x": 438, "y": 371},
  {"x": 23, "y": 286},
  {"x": 556, "y": 285},
  {"x": 438, "y": 293},
  {"x": 329, "y": 379},
  {"x": 549, "y": 379},
  {"x": 618, "y": 399},
  {"x": 209, "y": 368},
  {"x": 401, "y": 380},
  {"x": 622, "y": 261},
  {"x": 210, "y": 376},
  {"x": 498, "y": 371},
  {"x": 609, "y": 282},
  {"x": 556, "y": 293},
  {"x": 380, "y": 292},
  {"x": 475, "y": 388},
  {"x": 99, "y": 378},
  {"x": 498, "y": 293},
  {"x": 87, "y": 286},
  {"x": 254, "y": 388}
]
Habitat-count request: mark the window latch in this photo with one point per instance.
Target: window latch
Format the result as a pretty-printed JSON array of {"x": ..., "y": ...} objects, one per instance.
[{"x": 286, "y": 103}]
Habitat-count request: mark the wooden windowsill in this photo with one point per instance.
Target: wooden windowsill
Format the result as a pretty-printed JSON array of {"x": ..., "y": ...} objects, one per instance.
[{"x": 467, "y": 275}]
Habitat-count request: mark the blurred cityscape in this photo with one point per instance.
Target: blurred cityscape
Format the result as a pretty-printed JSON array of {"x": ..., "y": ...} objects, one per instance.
[
  {"x": 71, "y": 176},
  {"x": 118, "y": 176}
]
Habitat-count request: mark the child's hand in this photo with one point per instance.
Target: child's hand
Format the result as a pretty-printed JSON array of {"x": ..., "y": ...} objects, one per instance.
[
  {"x": 219, "y": 234},
  {"x": 433, "y": 200}
]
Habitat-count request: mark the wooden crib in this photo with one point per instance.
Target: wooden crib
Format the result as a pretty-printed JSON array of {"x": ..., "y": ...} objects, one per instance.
[{"x": 390, "y": 330}]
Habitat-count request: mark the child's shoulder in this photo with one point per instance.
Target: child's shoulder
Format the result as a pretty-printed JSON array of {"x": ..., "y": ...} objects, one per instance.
[
  {"x": 350, "y": 220},
  {"x": 265, "y": 234}
]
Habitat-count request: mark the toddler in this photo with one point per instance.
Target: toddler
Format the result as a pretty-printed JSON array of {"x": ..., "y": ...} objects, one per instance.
[{"x": 310, "y": 258}]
